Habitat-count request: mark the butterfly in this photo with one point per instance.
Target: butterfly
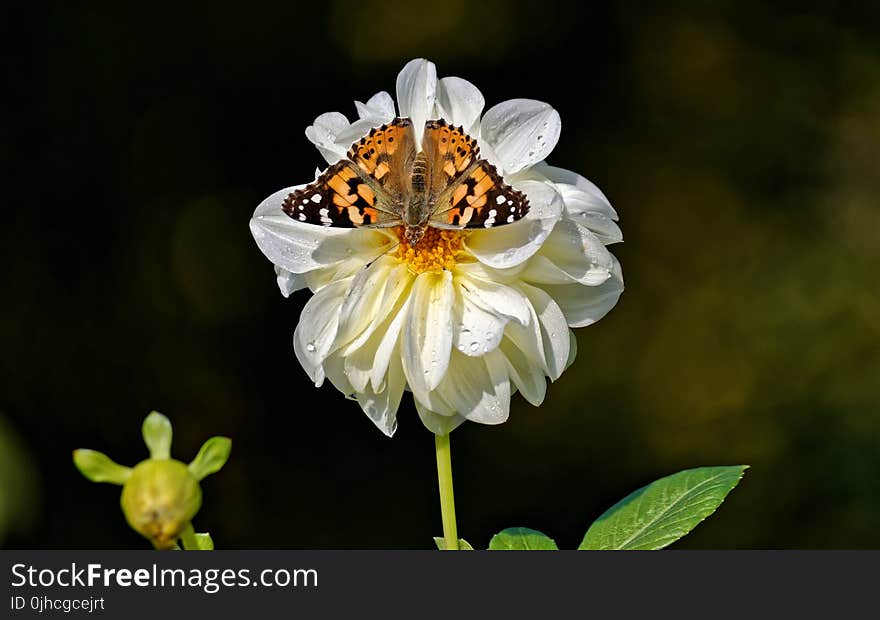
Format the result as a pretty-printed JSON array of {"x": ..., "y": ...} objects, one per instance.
[{"x": 386, "y": 182}]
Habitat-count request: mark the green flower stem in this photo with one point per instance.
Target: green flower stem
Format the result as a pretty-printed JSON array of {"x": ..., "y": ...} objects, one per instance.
[
  {"x": 447, "y": 498},
  {"x": 188, "y": 538}
]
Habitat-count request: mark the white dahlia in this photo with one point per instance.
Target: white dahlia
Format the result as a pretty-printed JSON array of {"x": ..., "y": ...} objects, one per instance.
[{"x": 466, "y": 317}]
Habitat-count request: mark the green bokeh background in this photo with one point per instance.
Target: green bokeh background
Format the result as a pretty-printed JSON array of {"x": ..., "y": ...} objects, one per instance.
[{"x": 740, "y": 143}]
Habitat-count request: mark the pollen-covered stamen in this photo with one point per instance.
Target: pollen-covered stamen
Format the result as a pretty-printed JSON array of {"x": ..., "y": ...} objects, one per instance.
[{"x": 436, "y": 250}]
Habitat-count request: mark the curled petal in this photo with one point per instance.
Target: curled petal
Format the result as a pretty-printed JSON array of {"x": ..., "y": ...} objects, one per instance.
[
  {"x": 316, "y": 331},
  {"x": 291, "y": 244},
  {"x": 438, "y": 424},
  {"x": 427, "y": 337},
  {"x": 379, "y": 107},
  {"x": 476, "y": 330},
  {"x": 546, "y": 337},
  {"x": 584, "y": 306},
  {"x": 522, "y": 132},
  {"x": 477, "y": 387},
  {"x": 459, "y": 102},
  {"x": 509, "y": 245},
  {"x": 389, "y": 346},
  {"x": 323, "y": 133},
  {"x": 417, "y": 92},
  {"x": 591, "y": 198},
  {"x": 381, "y": 407},
  {"x": 500, "y": 299},
  {"x": 289, "y": 282},
  {"x": 571, "y": 252},
  {"x": 525, "y": 372}
]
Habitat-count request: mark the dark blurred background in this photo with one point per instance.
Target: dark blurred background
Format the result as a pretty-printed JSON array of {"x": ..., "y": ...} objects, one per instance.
[{"x": 740, "y": 143}]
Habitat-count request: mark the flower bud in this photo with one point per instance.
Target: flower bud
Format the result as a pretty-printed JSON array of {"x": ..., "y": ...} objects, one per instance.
[{"x": 159, "y": 500}]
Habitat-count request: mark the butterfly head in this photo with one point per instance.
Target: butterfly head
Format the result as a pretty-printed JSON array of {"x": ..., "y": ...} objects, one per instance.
[{"x": 413, "y": 234}]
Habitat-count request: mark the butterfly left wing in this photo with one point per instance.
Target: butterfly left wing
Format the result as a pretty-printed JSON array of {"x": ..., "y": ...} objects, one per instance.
[
  {"x": 339, "y": 198},
  {"x": 467, "y": 192}
]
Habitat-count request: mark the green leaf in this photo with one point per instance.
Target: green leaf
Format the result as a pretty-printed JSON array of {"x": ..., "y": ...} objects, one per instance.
[
  {"x": 157, "y": 435},
  {"x": 463, "y": 545},
  {"x": 662, "y": 512},
  {"x": 204, "y": 542},
  {"x": 211, "y": 457},
  {"x": 98, "y": 467},
  {"x": 521, "y": 539}
]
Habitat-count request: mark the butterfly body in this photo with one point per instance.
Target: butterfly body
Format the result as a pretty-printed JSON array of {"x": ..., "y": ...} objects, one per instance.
[{"x": 387, "y": 181}]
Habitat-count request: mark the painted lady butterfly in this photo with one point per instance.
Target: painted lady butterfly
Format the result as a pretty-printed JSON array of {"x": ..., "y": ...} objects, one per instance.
[{"x": 387, "y": 182}]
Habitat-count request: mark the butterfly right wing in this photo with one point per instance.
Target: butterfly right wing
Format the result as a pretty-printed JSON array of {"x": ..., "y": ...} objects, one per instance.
[{"x": 466, "y": 191}]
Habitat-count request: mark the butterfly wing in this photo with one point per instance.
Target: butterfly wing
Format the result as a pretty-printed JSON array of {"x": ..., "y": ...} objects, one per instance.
[
  {"x": 385, "y": 156},
  {"x": 467, "y": 191},
  {"x": 339, "y": 198},
  {"x": 364, "y": 190}
]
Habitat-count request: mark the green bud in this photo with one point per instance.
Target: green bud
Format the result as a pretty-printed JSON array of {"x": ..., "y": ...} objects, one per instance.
[{"x": 159, "y": 500}]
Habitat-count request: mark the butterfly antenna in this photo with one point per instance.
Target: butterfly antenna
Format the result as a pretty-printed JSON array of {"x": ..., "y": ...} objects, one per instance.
[{"x": 385, "y": 250}]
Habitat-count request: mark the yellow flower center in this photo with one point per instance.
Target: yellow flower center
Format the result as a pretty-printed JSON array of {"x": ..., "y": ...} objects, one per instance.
[{"x": 436, "y": 250}]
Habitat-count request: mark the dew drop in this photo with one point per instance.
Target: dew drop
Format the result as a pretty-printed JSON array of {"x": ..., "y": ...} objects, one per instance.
[
  {"x": 310, "y": 347},
  {"x": 475, "y": 346}
]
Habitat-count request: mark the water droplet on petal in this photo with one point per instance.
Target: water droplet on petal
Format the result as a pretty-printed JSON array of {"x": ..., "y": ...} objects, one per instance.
[
  {"x": 310, "y": 347},
  {"x": 475, "y": 346}
]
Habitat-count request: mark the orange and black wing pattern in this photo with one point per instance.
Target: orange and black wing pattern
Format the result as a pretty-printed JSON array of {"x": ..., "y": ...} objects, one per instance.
[
  {"x": 364, "y": 189},
  {"x": 450, "y": 153},
  {"x": 339, "y": 197},
  {"x": 481, "y": 199},
  {"x": 386, "y": 155}
]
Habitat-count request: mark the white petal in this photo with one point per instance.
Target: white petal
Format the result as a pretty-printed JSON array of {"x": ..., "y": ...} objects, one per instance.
[
  {"x": 477, "y": 387},
  {"x": 379, "y": 107},
  {"x": 595, "y": 200},
  {"x": 476, "y": 330},
  {"x": 527, "y": 374},
  {"x": 584, "y": 306},
  {"x": 521, "y": 131},
  {"x": 333, "y": 368},
  {"x": 291, "y": 244},
  {"x": 573, "y": 348},
  {"x": 605, "y": 229},
  {"x": 388, "y": 346},
  {"x": 511, "y": 244},
  {"x": 368, "y": 356},
  {"x": 382, "y": 407},
  {"x": 316, "y": 331},
  {"x": 504, "y": 301},
  {"x": 576, "y": 252},
  {"x": 437, "y": 423},
  {"x": 355, "y": 132},
  {"x": 459, "y": 102},
  {"x": 554, "y": 330},
  {"x": 361, "y": 303},
  {"x": 417, "y": 92},
  {"x": 427, "y": 336},
  {"x": 393, "y": 282},
  {"x": 324, "y": 132},
  {"x": 289, "y": 282}
]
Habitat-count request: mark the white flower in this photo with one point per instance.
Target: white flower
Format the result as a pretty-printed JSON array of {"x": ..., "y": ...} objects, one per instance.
[{"x": 471, "y": 317}]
